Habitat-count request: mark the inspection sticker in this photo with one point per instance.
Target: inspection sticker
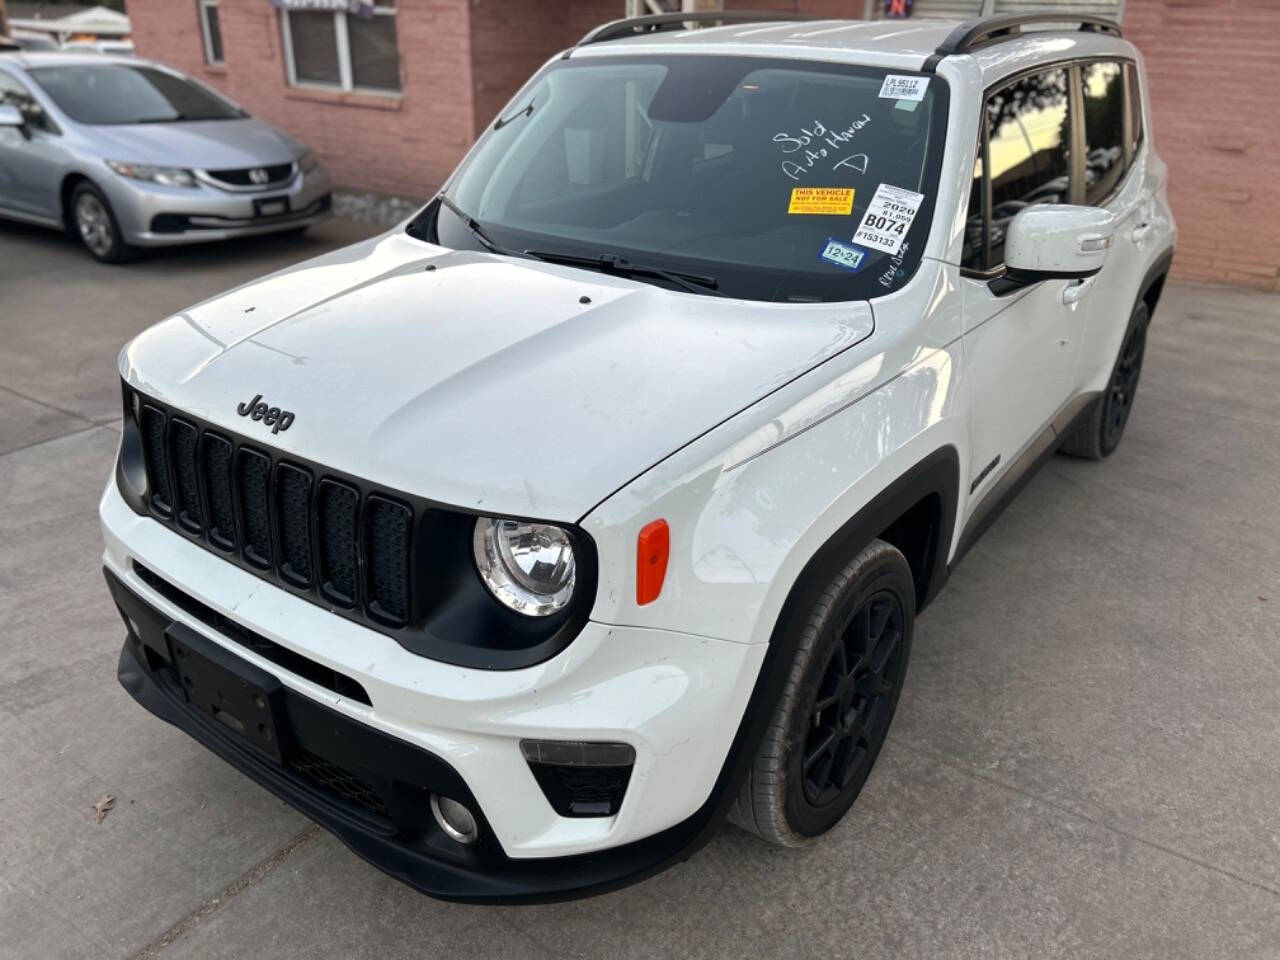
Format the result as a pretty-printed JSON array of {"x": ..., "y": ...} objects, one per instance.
[
  {"x": 833, "y": 200},
  {"x": 896, "y": 86},
  {"x": 888, "y": 218},
  {"x": 843, "y": 254}
]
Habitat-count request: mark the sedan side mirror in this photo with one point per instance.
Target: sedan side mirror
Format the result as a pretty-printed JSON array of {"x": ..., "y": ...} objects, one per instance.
[
  {"x": 1056, "y": 241},
  {"x": 11, "y": 116}
]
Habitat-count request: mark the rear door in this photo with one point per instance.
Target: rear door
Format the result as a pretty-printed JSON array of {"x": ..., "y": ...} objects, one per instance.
[
  {"x": 1020, "y": 344},
  {"x": 1111, "y": 144}
]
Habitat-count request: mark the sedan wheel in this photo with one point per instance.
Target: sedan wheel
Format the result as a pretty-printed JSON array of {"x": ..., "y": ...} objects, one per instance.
[{"x": 94, "y": 225}]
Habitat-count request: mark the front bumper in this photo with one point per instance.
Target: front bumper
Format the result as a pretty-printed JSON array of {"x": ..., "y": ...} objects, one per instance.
[
  {"x": 157, "y": 216},
  {"x": 676, "y": 699}
]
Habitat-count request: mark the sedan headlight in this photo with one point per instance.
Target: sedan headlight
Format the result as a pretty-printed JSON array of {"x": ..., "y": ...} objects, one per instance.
[
  {"x": 528, "y": 567},
  {"x": 165, "y": 176},
  {"x": 308, "y": 162}
]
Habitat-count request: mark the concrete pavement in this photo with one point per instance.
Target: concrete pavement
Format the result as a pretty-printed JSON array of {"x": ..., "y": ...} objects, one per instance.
[{"x": 1085, "y": 761}]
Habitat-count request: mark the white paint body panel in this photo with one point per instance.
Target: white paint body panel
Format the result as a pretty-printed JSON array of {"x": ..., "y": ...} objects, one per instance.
[
  {"x": 757, "y": 430},
  {"x": 484, "y": 382}
]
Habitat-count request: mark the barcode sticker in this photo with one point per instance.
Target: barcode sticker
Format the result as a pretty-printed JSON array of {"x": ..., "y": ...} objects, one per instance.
[{"x": 896, "y": 86}]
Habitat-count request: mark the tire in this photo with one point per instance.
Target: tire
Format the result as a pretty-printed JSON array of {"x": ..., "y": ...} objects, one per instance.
[
  {"x": 814, "y": 758},
  {"x": 94, "y": 222},
  {"x": 1097, "y": 434}
]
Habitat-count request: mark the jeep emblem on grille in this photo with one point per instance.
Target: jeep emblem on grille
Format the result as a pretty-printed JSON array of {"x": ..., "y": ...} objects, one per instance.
[
  {"x": 273, "y": 417},
  {"x": 258, "y": 175}
]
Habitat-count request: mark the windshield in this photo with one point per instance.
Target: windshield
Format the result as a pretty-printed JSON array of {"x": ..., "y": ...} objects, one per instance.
[
  {"x": 115, "y": 93},
  {"x": 778, "y": 180}
]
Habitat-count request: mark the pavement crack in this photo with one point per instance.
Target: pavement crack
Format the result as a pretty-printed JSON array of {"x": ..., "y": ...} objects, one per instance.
[
  {"x": 61, "y": 436},
  {"x": 1071, "y": 811},
  {"x": 249, "y": 878},
  {"x": 47, "y": 405}
]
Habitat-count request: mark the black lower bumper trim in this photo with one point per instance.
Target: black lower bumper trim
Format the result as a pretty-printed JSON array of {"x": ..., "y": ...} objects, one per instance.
[
  {"x": 400, "y": 839},
  {"x": 184, "y": 222}
]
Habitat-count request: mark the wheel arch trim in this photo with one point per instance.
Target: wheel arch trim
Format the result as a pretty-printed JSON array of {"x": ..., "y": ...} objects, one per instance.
[{"x": 937, "y": 474}]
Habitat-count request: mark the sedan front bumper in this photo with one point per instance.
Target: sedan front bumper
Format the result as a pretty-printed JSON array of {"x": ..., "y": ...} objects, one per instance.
[{"x": 155, "y": 216}]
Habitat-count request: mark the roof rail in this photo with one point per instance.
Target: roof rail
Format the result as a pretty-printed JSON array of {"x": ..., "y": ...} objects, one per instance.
[
  {"x": 972, "y": 34},
  {"x": 632, "y": 26}
]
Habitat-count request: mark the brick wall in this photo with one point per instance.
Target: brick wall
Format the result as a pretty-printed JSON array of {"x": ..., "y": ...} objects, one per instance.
[
  {"x": 1214, "y": 69},
  {"x": 403, "y": 145},
  {"x": 509, "y": 41}
]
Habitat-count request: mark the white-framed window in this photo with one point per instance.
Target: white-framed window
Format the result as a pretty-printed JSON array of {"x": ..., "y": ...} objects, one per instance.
[
  {"x": 211, "y": 30},
  {"x": 341, "y": 50}
]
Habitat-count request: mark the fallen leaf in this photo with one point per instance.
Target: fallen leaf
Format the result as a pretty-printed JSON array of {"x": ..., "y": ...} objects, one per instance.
[
  {"x": 1262, "y": 598},
  {"x": 105, "y": 803}
]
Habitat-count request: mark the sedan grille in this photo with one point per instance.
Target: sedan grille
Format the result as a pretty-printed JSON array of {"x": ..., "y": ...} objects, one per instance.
[
  {"x": 254, "y": 178},
  {"x": 345, "y": 546}
]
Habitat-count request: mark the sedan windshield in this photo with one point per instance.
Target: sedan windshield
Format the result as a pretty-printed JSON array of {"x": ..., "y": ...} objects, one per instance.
[
  {"x": 115, "y": 93},
  {"x": 760, "y": 179}
]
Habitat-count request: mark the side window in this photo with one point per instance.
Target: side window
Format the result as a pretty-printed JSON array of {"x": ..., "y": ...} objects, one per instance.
[
  {"x": 1029, "y": 134},
  {"x": 1135, "y": 107},
  {"x": 1104, "y": 146},
  {"x": 14, "y": 94}
]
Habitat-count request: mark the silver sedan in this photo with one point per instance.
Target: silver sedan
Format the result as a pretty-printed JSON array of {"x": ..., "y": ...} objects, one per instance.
[{"x": 125, "y": 153}]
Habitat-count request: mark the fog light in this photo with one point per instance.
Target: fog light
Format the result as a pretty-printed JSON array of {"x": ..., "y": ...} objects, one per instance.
[
  {"x": 454, "y": 819},
  {"x": 581, "y": 778}
]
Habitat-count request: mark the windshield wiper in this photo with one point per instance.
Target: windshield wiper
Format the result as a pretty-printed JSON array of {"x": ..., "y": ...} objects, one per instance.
[
  {"x": 605, "y": 263},
  {"x": 621, "y": 266},
  {"x": 477, "y": 231}
]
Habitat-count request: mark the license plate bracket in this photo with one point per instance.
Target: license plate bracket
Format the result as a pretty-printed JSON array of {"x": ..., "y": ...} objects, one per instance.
[
  {"x": 241, "y": 697},
  {"x": 270, "y": 206}
]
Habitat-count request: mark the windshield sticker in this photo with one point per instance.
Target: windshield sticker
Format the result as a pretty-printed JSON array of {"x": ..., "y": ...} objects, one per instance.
[
  {"x": 843, "y": 254},
  {"x": 819, "y": 145},
  {"x": 899, "y": 87},
  {"x": 888, "y": 218},
  {"x": 826, "y": 200}
]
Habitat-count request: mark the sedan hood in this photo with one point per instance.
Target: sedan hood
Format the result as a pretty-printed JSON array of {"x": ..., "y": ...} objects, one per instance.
[
  {"x": 507, "y": 386},
  {"x": 198, "y": 144}
]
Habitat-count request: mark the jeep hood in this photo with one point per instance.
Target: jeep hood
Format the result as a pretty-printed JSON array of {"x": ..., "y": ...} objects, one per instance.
[{"x": 509, "y": 386}]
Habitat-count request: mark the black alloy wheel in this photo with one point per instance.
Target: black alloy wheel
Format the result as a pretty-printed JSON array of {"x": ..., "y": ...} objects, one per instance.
[
  {"x": 1123, "y": 389},
  {"x": 852, "y": 645},
  {"x": 1097, "y": 432},
  {"x": 850, "y": 711}
]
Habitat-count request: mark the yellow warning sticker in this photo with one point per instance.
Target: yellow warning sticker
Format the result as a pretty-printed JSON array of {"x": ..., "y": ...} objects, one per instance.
[{"x": 833, "y": 200}]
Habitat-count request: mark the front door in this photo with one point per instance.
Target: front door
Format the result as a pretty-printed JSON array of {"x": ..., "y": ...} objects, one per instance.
[
  {"x": 30, "y": 156},
  {"x": 1021, "y": 345}
]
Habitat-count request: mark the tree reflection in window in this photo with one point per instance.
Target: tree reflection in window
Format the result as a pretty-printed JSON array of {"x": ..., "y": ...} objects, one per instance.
[
  {"x": 1029, "y": 135},
  {"x": 1103, "y": 129}
]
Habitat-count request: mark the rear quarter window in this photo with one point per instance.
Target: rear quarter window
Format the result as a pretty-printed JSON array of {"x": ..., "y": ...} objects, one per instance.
[{"x": 1102, "y": 87}]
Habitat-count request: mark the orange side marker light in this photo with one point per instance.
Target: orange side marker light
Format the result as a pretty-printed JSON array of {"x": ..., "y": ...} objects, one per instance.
[{"x": 653, "y": 546}]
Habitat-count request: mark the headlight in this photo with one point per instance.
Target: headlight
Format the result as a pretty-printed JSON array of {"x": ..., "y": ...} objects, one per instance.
[
  {"x": 308, "y": 161},
  {"x": 528, "y": 567},
  {"x": 165, "y": 176}
]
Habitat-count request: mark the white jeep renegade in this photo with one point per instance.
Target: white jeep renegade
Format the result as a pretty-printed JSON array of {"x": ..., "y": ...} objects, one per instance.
[{"x": 522, "y": 544}]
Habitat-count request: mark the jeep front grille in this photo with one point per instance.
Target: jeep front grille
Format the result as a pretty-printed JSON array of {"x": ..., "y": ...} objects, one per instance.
[{"x": 344, "y": 546}]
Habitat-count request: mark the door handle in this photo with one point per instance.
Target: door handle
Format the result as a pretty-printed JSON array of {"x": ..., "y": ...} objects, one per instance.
[
  {"x": 1139, "y": 233},
  {"x": 1073, "y": 293}
]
